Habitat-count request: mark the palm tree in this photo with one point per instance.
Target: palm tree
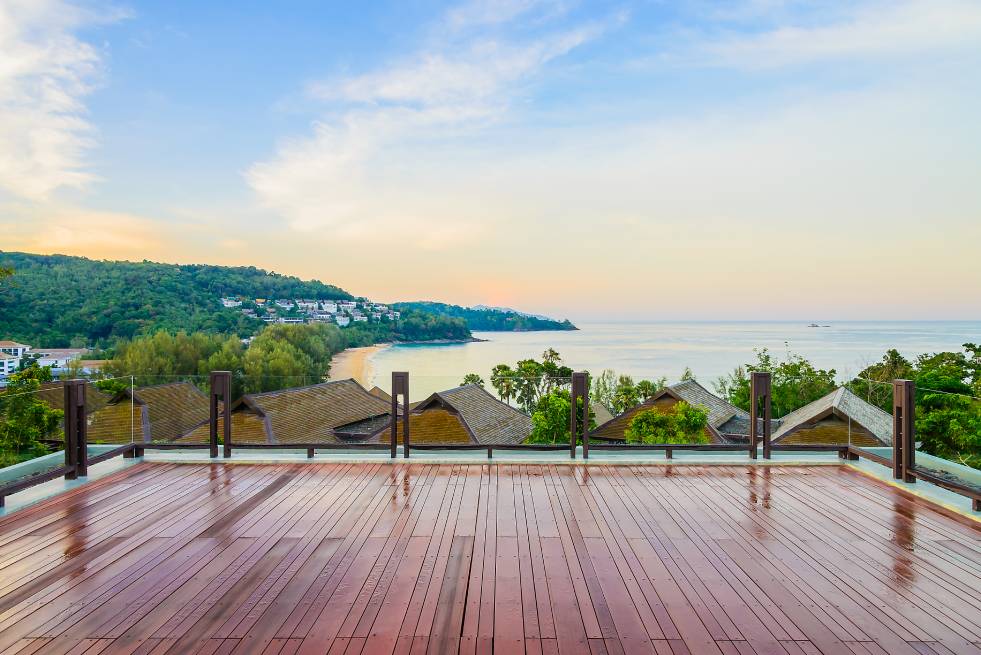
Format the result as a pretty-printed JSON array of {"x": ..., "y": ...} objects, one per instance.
[{"x": 502, "y": 379}]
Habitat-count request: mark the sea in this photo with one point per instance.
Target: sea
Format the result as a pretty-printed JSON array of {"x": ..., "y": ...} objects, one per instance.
[{"x": 650, "y": 350}]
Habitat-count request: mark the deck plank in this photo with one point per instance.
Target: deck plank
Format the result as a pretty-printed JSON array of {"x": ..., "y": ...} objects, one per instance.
[{"x": 409, "y": 558}]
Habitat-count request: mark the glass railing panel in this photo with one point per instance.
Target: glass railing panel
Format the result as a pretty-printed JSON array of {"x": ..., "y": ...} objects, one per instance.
[
  {"x": 948, "y": 432},
  {"x": 656, "y": 411},
  {"x": 160, "y": 409},
  {"x": 31, "y": 429}
]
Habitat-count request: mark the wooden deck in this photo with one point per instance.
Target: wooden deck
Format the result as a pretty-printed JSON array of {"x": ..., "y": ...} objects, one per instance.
[{"x": 376, "y": 558}]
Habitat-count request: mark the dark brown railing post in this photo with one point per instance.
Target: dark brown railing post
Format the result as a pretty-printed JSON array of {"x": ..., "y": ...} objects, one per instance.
[
  {"x": 580, "y": 390},
  {"x": 759, "y": 390},
  {"x": 400, "y": 386},
  {"x": 221, "y": 387},
  {"x": 76, "y": 441},
  {"x": 903, "y": 429}
]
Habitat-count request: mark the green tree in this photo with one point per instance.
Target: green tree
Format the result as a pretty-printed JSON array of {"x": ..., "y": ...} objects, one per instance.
[
  {"x": 948, "y": 418},
  {"x": 688, "y": 375},
  {"x": 683, "y": 423},
  {"x": 647, "y": 389},
  {"x": 874, "y": 382},
  {"x": 503, "y": 381},
  {"x": 472, "y": 378},
  {"x": 25, "y": 419},
  {"x": 795, "y": 382},
  {"x": 550, "y": 420},
  {"x": 625, "y": 395}
]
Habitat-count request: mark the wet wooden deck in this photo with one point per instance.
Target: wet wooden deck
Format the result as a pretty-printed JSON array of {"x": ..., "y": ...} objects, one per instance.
[{"x": 376, "y": 558}]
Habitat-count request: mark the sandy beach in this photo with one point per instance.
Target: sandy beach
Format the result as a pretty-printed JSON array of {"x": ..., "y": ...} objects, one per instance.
[{"x": 354, "y": 363}]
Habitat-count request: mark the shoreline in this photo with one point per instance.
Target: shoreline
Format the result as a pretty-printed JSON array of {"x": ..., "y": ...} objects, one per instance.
[{"x": 355, "y": 363}]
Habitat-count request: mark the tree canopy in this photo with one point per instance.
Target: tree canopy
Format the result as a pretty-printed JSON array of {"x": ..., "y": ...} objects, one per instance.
[
  {"x": 488, "y": 320},
  {"x": 683, "y": 423},
  {"x": 795, "y": 382}
]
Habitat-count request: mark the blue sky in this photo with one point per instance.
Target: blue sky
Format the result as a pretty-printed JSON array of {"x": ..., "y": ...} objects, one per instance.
[{"x": 488, "y": 145}]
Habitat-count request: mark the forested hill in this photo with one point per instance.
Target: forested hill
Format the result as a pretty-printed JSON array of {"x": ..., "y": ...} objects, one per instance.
[
  {"x": 54, "y": 300},
  {"x": 489, "y": 320}
]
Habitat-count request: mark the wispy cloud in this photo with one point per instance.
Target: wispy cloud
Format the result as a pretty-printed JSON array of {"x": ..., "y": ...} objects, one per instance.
[
  {"x": 454, "y": 85},
  {"x": 869, "y": 29},
  {"x": 45, "y": 73}
]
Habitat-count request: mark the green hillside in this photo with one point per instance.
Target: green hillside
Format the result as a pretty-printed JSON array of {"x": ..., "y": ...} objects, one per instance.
[
  {"x": 488, "y": 320},
  {"x": 56, "y": 300}
]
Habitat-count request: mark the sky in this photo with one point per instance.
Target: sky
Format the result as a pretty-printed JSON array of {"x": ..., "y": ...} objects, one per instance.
[{"x": 682, "y": 159}]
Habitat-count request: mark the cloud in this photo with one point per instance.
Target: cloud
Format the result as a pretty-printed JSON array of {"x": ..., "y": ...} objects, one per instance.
[
  {"x": 868, "y": 30},
  {"x": 353, "y": 167},
  {"x": 45, "y": 73}
]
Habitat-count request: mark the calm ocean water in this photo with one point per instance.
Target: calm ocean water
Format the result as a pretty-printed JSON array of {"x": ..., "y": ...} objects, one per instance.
[{"x": 650, "y": 350}]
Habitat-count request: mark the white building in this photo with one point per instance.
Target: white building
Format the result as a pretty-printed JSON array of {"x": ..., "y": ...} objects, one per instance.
[
  {"x": 343, "y": 321},
  {"x": 8, "y": 364},
  {"x": 231, "y": 302},
  {"x": 13, "y": 348},
  {"x": 330, "y": 307},
  {"x": 348, "y": 306},
  {"x": 307, "y": 305},
  {"x": 285, "y": 304},
  {"x": 288, "y": 319},
  {"x": 322, "y": 317},
  {"x": 360, "y": 318},
  {"x": 58, "y": 358}
]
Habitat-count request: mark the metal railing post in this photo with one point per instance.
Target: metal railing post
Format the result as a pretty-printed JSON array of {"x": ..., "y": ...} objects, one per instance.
[
  {"x": 903, "y": 429},
  {"x": 76, "y": 446},
  {"x": 221, "y": 387},
  {"x": 759, "y": 390},
  {"x": 580, "y": 390},
  {"x": 400, "y": 386}
]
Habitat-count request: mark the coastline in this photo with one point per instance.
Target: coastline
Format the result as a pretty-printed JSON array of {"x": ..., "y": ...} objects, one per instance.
[{"x": 355, "y": 363}]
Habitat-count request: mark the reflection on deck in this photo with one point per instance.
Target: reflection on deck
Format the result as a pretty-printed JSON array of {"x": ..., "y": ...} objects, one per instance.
[{"x": 381, "y": 558}]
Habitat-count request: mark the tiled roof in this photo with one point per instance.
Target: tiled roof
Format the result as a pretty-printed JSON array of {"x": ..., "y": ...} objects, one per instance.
[
  {"x": 172, "y": 409},
  {"x": 599, "y": 413},
  {"x": 53, "y": 394},
  {"x": 13, "y": 344},
  {"x": 434, "y": 425},
  {"x": 310, "y": 414},
  {"x": 384, "y": 395},
  {"x": 489, "y": 420},
  {"x": 720, "y": 412},
  {"x": 118, "y": 422},
  {"x": 844, "y": 405}
]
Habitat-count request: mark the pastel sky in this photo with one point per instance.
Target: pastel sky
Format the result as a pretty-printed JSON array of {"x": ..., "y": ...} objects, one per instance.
[{"x": 773, "y": 159}]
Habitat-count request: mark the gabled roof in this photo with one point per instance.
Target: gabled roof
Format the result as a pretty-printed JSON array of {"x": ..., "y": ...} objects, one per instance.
[
  {"x": 13, "y": 344},
  {"x": 484, "y": 418},
  {"x": 434, "y": 425},
  {"x": 378, "y": 392},
  {"x": 843, "y": 404},
  {"x": 159, "y": 413},
  {"x": 311, "y": 414},
  {"x": 489, "y": 420},
  {"x": 53, "y": 394},
  {"x": 599, "y": 413},
  {"x": 719, "y": 411}
]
